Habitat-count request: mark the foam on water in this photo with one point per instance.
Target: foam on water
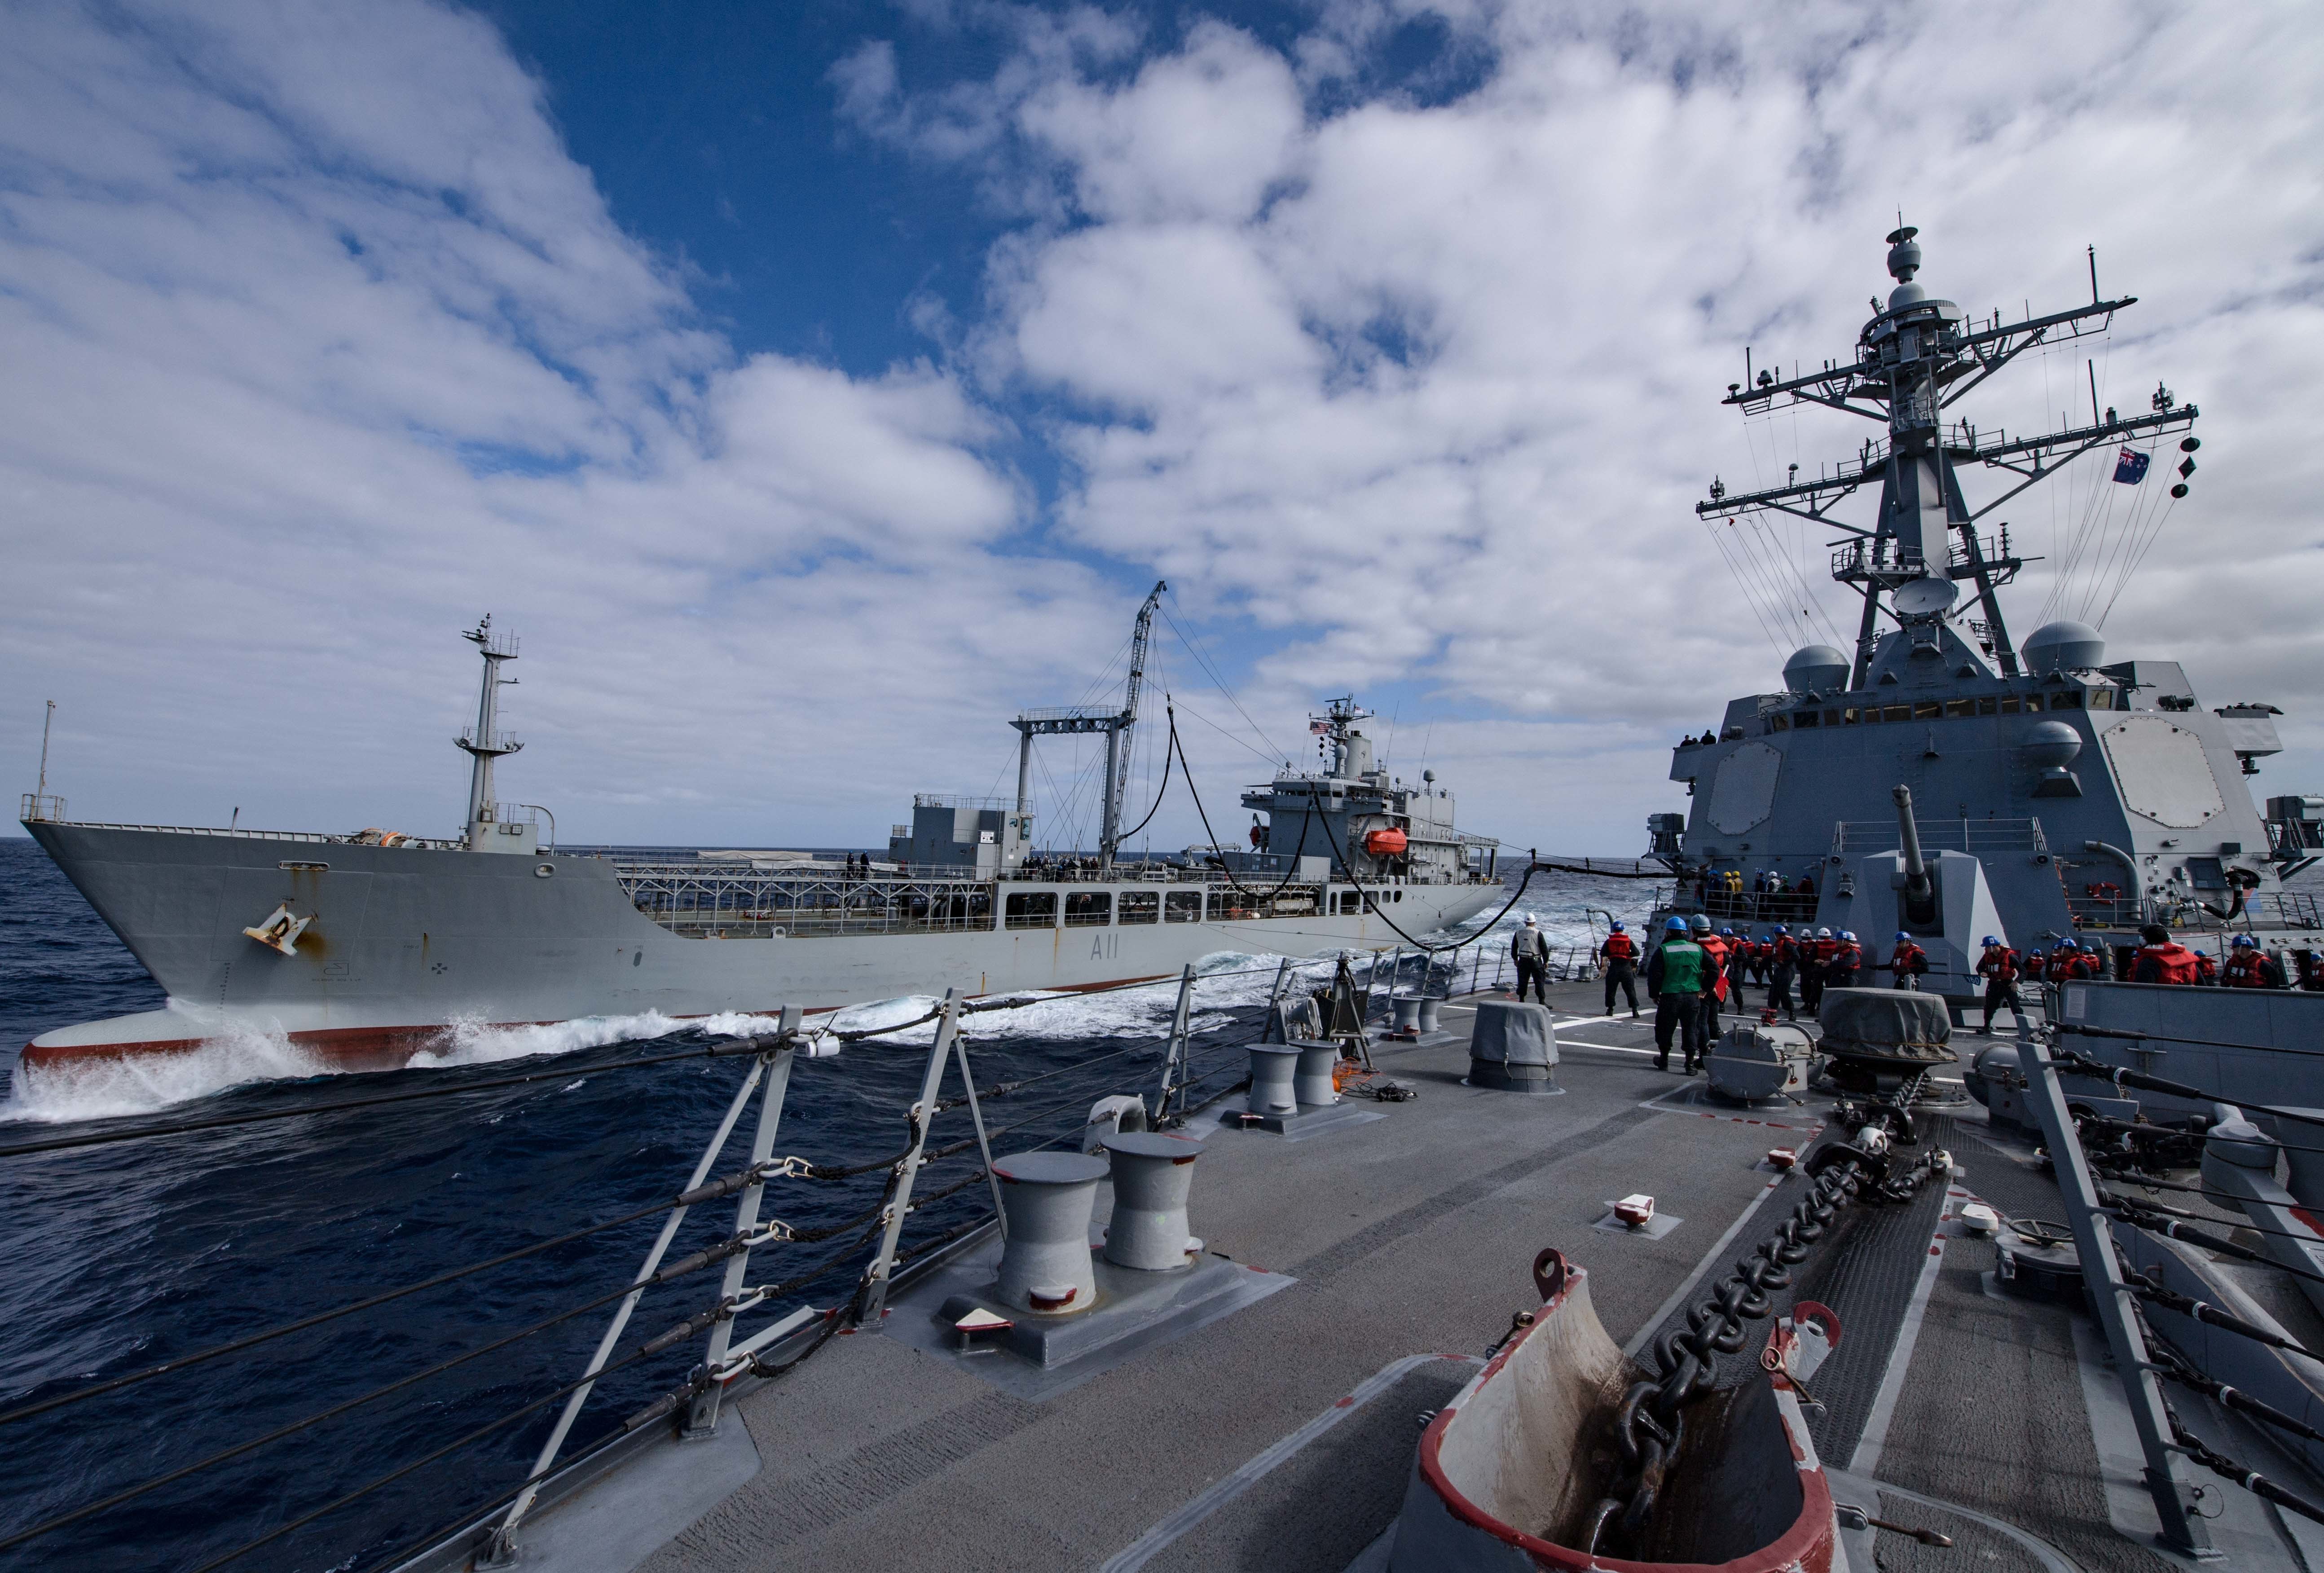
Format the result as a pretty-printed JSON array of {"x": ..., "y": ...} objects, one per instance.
[{"x": 106, "y": 1090}]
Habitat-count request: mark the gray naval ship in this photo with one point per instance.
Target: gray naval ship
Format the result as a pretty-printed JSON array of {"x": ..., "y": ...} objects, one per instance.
[
  {"x": 361, "y": 949},
  {"x": 1940, "y": 778},
  {"x": 1503, "y": 1296}
]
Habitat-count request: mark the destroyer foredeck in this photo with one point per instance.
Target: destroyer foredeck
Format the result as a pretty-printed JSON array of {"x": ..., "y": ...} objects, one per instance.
[{"x": 1407, "y": 1237}]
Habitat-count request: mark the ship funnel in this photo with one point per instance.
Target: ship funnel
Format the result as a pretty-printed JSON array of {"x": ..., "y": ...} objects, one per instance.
[{"x": 1919, "y": 901}]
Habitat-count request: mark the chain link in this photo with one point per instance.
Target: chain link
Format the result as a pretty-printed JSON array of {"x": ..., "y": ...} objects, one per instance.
[{"x": 1649, "y": 1425}]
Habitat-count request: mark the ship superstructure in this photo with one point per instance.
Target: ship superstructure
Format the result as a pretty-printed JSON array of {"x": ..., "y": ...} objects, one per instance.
[
  {"x": 2057, "y": 792},
  {"x": 364, "y": 948}
]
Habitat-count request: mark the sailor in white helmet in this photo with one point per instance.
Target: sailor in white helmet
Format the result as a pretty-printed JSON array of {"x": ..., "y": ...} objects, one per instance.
[{"x": 1530, "y": 949}]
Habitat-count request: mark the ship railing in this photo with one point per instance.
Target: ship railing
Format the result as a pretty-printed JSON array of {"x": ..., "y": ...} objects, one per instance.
[
  {"x": 1756, "y": 906},
  {"x": 813, "y": 1248},
  {"x": 1859, "y": 837},
  {"x": 40, "y": 806},
  {"x": 306, "y": 838}
]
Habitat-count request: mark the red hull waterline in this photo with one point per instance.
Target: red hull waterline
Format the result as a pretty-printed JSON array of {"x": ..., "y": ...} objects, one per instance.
[{"x": 383, "y": 1048}]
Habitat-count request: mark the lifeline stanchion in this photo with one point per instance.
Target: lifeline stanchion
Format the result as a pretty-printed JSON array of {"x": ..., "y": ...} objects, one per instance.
[
  {"x": 703, "y": 1420},
  {"x": 1174, "y": 1052},
  {"x": 2166, "y": 1482},
  {"x": 908, "y": 1168},
  {"x": 502, "y": 1549}
]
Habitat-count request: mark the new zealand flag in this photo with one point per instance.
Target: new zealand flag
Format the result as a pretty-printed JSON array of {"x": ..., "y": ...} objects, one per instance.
[{"x": 2130, "y": 468}]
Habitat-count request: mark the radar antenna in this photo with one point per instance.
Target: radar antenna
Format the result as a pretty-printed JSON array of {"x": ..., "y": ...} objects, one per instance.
[{"x": 1915, "y": 359}]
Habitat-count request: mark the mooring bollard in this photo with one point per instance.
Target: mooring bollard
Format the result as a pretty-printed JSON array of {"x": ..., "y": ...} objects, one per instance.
[
  {"x": 1152, "y": 1174},
  {"x": 1407, "y": 1016},
  {"x": 1313, "y": 1085},
  {"x": 1431, "y": 1015},
  {"x": 1048, "y": 1196},
  {"x": 1274, "y": 1073}
]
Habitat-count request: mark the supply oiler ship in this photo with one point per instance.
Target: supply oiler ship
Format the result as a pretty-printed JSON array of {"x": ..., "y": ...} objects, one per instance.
[{"x": 364, "y": 948}]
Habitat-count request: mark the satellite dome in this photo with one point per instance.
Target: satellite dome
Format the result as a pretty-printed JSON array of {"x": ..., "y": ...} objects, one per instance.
[
  {"x": 2050, "y": 746},
  {"x": 2063, "y": 646},
  {"x": 1816, "y": 667}
]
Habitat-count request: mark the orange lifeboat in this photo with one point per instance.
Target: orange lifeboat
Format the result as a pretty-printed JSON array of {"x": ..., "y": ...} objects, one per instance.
[{"x": 1388, "y": 843}]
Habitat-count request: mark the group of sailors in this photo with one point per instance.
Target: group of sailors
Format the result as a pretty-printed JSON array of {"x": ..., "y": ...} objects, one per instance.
[
  {"x": 1694, "y": 974},
  {"x": 2247, "y": 964}
]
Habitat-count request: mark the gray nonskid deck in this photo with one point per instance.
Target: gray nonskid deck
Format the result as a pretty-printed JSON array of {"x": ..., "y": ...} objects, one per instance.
[{"x": 1410, "y": 1236}]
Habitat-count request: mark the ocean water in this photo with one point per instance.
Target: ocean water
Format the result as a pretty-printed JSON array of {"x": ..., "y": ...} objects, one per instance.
[{"x": 116, "y": 1258}]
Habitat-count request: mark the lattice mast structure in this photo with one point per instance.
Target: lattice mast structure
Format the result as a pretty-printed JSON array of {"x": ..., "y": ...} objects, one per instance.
[
  {"x": 1914, "y": 360},
  {"x": 1114, "y": 724}
]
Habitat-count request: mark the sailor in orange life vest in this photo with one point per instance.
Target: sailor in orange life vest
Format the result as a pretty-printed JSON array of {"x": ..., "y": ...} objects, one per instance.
[
  {"x": 1845, "y": 961},
  {"x": 1907, "y": 964},
  {"x": 1739, "y": 962},
  {"x": 1999, "y": 968},
  {"x": 2249, "y": 967},
  {"x": 1531, "y": 950},
  {"x": 1714, "y": 996},
  {"x": 1816, "y": 951},
  {"x": 1783, "y": 963},
  {"x": 2163, "y": 960},
  {"x": 1621, "y": 955}
]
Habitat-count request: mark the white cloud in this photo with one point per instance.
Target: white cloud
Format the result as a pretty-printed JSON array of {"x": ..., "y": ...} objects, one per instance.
[
  {"x": 320, "y": 343},
  {"x": 1429, "y": 387}
]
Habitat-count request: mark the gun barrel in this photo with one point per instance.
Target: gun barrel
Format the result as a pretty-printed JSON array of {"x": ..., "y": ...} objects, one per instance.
[{"x": 1916, "y": 871}]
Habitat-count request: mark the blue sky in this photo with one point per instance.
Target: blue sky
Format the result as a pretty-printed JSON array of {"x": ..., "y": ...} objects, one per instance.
[{"x": 813, "y": 387}]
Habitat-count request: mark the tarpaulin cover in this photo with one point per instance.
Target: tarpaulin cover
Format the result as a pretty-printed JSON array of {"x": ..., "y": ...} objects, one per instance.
[{"x": 1886, "y": 1023}]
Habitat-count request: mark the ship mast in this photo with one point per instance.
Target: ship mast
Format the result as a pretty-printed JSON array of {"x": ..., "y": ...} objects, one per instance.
[
  {"x": 1915, "y": 359},
  {"x": 484, "y": 743}
]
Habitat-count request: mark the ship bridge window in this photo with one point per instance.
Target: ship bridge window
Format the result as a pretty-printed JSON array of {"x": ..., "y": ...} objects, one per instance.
[
  {"x": 1089, "y": 909},
  {"x": 2009, "y": 704},
  {"x": 2101, "y": 699},
  {"x": 1779, "y": 723},
  {"x": 1896, "y": 713},
  {"x": 1960, "y": 707},
  {"x": 1182, "y": 906},
  {"x": 1032, "y": 909},
  {"x": 1928, "y": 709},
  {"x": 2070, "y": 699},
  {"x": 1805, "y": 718},
  {"x": 1141, "y": 906},
  {"x": 1989, "y": 704}
]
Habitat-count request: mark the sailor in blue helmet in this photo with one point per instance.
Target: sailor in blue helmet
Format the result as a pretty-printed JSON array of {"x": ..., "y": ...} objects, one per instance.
[
  {"x": 1619, "y": 956},
  {"x": 1908, "y": 963},
  {"x": 1782, "y": 965},
  {"x": 1679, "y": 976}
]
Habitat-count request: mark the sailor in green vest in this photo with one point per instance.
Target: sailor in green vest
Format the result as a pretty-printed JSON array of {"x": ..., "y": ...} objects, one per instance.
[{"x": 1678, "y": 974}]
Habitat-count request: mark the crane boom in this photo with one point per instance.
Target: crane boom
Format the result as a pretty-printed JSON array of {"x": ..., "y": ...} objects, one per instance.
[{"x": 1116, "y": 773}]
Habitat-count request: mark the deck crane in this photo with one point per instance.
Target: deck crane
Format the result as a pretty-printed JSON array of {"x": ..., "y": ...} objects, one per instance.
[{"x": 1114, "y": 724}]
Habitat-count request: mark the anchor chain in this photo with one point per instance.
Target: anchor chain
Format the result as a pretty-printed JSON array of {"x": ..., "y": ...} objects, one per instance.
[{"x": 1649, "y": 1425}]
